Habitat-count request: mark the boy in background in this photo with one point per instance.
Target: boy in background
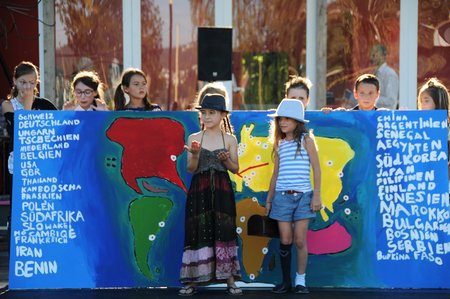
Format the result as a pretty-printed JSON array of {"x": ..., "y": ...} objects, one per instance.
[{"x": 366, "y": 92}]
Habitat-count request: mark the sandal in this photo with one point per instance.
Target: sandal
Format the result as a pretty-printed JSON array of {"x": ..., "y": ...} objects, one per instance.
[
  {"x": 187, "y": 291},
  {"x": 234, "y": 291}
]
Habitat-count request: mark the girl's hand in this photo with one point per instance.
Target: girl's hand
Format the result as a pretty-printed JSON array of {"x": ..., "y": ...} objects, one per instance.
[
  {"x": 195, "y": 147},
  {"x": 326, "y": 110},
  {"x": 69, "y": 105},
  {"x": 316, "y": 202},
  {"x": 27, "y": 91},
  {"x": 101, "y": 105},
  {"x": 223, "y": 155}
]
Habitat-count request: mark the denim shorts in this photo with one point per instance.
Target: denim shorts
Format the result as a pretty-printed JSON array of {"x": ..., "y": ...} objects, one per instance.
[{"x": 291, "y": 207}]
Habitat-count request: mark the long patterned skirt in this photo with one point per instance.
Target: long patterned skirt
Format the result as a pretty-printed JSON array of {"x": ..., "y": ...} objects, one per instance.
[{"x": 210, "y": 242}]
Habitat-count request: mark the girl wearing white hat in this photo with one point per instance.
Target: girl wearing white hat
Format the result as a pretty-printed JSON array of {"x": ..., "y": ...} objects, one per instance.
[{"x": 291, "y": 198}]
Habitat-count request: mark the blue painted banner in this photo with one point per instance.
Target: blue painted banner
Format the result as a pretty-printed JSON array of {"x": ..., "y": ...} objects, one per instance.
[{"x": 98, "y": 199}]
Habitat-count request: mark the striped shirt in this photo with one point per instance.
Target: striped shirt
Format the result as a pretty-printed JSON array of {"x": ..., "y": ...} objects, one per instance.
[
  {"x": 293, "y": 171},
  {"x": 17, "y": 105}
]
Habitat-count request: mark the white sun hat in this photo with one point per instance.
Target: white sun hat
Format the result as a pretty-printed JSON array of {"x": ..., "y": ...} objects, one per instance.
[{"x": 291, "y": 108}]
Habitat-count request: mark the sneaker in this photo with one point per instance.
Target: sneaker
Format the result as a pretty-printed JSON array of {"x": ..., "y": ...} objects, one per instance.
[
  {"x": 281, "y": 288},
  {"x": 299, "y": 289}
]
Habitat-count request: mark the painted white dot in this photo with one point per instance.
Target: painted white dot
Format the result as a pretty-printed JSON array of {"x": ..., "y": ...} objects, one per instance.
[
  {"x": 265, "y": 146},
  {"x": 340, "y": 174},
  {"x": 242, "y": 219},
  {"x": 152, "y": 237},
  {"x": 258, "y": 142},
  {"x": 265, "y": 250},
  {"x": 347, "y": 211},
  {"x": 345, "y": 197},
  {"x": 247, "y": 184},
  {"x": 253, "y": 173},
  {"x": 329, "y": 162},
  {"x": 173, "y": 158},
  {"x": 250, "y": 137},
  {"x": 258, "y": 157},
  {"x": 252, "y": 276},
  {"x": 254, "y": 199},
  {"x": 162, "y": 224},
  {"x": 238, "y": 230}
]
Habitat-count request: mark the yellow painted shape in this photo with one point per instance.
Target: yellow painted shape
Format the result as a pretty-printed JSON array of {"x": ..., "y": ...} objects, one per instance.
[
  {"x": 255, "y": 161},
  {"x": 252, "y": 246},
  {"x": 334, "y": 154}
]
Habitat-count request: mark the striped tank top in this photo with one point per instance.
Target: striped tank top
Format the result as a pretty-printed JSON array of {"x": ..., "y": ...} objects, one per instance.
[{"x": 293, "y": 171}]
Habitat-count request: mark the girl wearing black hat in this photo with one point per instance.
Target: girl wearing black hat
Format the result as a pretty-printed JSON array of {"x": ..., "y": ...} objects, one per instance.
[{"x": 210, "y": 245}]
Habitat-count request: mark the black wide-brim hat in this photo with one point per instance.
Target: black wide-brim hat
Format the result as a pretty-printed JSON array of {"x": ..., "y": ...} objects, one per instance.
[{"x": 213, "y": 101}]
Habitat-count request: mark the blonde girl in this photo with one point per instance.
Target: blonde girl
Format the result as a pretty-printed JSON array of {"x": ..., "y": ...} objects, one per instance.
[{"x": 291, "y": 199}]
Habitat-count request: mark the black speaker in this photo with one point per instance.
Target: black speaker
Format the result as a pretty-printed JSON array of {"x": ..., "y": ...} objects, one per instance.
[{"x": 214, "y": 53}]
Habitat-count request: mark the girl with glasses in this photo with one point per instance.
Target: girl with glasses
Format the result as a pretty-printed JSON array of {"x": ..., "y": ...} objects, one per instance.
[{"x": 87, "y": 90}]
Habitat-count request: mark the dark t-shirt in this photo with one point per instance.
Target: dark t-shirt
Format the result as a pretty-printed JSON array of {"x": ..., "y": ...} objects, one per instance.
[
  {"x": 152, "y": 107},
  {"x": 357, "y": 108}
]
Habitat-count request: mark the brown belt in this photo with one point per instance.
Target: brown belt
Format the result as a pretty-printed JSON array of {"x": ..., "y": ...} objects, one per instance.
[{"x": 292, "y": 192}]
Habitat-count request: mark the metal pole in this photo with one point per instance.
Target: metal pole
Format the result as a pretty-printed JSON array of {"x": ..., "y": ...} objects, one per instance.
[{"x": 169, "y": 93}]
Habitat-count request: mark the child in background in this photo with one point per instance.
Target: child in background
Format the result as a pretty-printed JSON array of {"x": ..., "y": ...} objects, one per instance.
[
  {"x": 213, "y": 87},
  {"x": 87, "y": 90},
  {"x": 291, "y": 199},
  {"x": 210, "y": 244},
  {"x": 366, "y": 92},
  {"x": 131, "y": 93},
  {"x": 433, "y": 95},
  {"x": 298, "y": 88},
  {"x": 23, "y": 96}
]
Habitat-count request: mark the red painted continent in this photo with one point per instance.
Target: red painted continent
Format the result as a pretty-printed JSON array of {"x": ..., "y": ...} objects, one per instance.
[{"x": 150, "y": 148}]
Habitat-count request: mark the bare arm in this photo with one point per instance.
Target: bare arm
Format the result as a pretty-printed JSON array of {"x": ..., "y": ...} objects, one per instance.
[
  {"x": 193, "y": 149},
  {"x": 8, "y": 113},
  {"x": 273, "y": 182},
  {"x": 230, "y": 158},
  {"x": 310, "y": 145},
  {"x": 7, "y": 107}
]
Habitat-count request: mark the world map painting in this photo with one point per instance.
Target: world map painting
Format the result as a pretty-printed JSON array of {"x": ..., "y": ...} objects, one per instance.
[{"x": 119, "y": 182}]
